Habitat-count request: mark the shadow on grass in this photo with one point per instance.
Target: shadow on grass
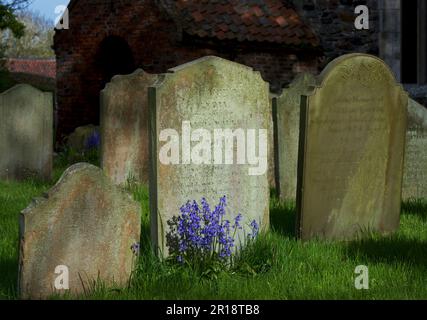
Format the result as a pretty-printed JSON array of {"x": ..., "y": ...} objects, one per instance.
[
  {"x": 390, "y": 250},
  {"x": 415, "y": 207},
  {"x": 8, "y": 278},
  {"x": 282, "y": 217}
]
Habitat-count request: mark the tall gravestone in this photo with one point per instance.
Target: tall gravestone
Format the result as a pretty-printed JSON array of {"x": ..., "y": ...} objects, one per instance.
[
  {"x": 415, "y": 173},
  {"x": 287, "y": 108},
  {"x": 194, "y": 113},
  {"x": 124, "y": 127},
  {"x": 80, "y": 232},
  {"x": 351, "y": 152},
  {"x": 26, "y": 133}
]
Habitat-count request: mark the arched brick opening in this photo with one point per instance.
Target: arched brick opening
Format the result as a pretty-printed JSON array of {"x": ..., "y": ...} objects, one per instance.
[{"x": 113, "y": 56}]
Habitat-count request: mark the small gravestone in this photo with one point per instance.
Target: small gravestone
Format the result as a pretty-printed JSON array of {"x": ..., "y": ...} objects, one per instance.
[
  {"x": 83, "y": 138},
  {"x": 287, "y": 107},
  {"x": 81, "y": 231},
  {"x": 26, "y": 133},
  {"x": 415, "y": 173},
  {"x": 196, "y": 112},
  {"x": 352, "y": 139},
  {"x": 124, "y": 127}
]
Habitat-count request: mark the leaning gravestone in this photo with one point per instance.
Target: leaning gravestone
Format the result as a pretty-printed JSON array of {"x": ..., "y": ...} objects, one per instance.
[
  {"x": 84, "y": 227},
  {"x": 415, "y": 173},
  {"x": 26, "y": 133},
  {"x": 194, "y": 112},
  {"x": 124, "y": 127},
  {"x": 287, "y": 107},
  {"x": 352, "y": 148}
]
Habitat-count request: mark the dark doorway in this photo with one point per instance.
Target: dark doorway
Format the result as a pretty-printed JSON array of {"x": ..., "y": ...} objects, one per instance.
[
  {"x": 114, "y": 57},
  {"x": 409, "y": 41}
]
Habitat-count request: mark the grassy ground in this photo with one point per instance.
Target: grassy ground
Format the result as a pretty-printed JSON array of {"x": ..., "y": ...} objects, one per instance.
[{"x": 276, "y": 267}]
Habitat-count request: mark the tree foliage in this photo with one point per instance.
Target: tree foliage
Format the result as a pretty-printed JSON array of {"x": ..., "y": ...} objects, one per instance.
[
  {"x": 8, "y": 19},
  {"x": 36, "y": 42}
]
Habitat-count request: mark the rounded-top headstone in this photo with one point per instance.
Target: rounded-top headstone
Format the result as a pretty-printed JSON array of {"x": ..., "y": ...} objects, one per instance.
[
  {"x": 124, "y": 127},
  {"x": 193, "y": 104},
  {"x": 352, "y": 149},
  {"x": 26, "y": 129}
]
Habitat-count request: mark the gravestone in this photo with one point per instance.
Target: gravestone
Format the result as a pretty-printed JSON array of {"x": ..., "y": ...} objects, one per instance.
[
  {"x": 124, "y": 127},
  {"x": 352, "y": 148},
  {"x": 26, "y": 133},
  {"x": 84, "y": 223},
  {"x": 200, "y": 101},
  {"x": 83, "y": 138},
  {"x": 271, "y": 159},
  {"x": 287, "y": 107},
  {"x": 415, "y": 173}
]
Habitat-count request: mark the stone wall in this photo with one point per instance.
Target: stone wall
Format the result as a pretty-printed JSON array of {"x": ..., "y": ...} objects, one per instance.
[{"x": 333, "y": 22}]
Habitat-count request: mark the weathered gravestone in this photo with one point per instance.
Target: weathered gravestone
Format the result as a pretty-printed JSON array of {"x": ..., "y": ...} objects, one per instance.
[
  {"x": 84, "y": 223},
  {"x": 415, "y": 173},
  {"x": 196, "y": 112},
  {"x": 352, "y": 148},
  {"x": 287, "y": 109},
  {"x": 26, "y": 133},
  {"x": 124, "y": 127},
  {"x": 271, "y": 146}
]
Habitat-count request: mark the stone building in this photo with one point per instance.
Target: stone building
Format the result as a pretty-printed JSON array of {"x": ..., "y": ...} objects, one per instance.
[{"x": 279, "y": 38}]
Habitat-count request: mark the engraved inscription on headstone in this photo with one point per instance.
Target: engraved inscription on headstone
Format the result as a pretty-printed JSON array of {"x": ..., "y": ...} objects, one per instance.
[
  {"x": 207, "y": 96},
  {"x": 352, "y": 141}
]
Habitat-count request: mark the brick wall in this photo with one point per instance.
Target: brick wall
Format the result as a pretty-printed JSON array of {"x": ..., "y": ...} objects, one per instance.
[
  {"x": 79, "y": 78},
  {"x": 156, "y": 44}
]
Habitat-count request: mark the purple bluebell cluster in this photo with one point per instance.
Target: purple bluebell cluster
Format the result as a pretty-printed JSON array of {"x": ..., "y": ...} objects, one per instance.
[
  {"x": 93, "y": 141},
  {"x": 201, "y": 234}
]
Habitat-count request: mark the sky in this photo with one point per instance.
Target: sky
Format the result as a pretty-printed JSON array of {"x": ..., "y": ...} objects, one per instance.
[{"x": 47, "y": 7}]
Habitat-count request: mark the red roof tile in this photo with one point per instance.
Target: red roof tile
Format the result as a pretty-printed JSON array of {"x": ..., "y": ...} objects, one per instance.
[
  {"x": 275, "y": 21},
  {"x": 41, "y": 67},
  {"x": 252, "y": 20}
]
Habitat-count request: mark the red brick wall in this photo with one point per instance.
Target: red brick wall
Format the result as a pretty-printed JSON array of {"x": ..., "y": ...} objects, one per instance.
[{"x": 156, "y": 44}]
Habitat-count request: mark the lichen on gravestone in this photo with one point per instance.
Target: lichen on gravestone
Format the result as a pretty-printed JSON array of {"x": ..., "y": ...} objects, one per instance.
[{"x": 84, "y": 223}]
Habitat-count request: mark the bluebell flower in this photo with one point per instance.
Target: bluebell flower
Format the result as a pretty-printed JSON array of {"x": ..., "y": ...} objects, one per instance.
[
  {"x": 93, "y": 141},
  {"x": 237, "y": 221},
  {"x": 136, "y": 247},
  {"x": 199, "y": 234},
  {"x": 255, "y": 229}
]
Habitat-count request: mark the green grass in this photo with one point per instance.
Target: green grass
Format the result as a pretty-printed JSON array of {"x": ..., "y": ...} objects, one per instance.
[{"x": 277, "y": 266}]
